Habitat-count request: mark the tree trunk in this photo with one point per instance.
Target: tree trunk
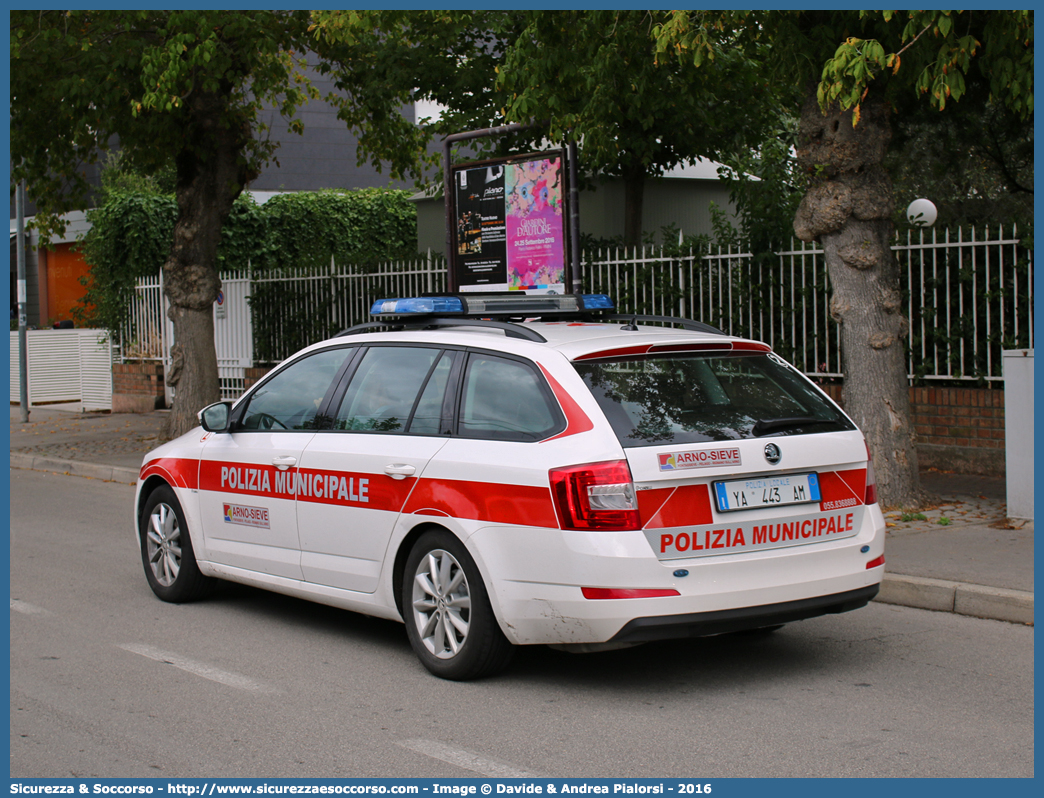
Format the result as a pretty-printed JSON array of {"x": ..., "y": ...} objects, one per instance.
[
  {"x": 211, "y": 173},
  {"x": 848, "y": 209},
  {"x": 634, "y": 192}
]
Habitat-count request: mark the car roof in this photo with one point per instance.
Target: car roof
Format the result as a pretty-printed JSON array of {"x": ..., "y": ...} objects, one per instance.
[
  {"x": 578, "y": 326},
  {"x": 574, "y": 339}
]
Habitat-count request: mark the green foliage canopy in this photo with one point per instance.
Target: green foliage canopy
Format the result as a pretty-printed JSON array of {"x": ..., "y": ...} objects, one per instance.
[
  {"x": 381, "y": 61},
  {"x": 186, "y": 86},
  {"x": 595, "y": 77},
  {"x": 848, "y": 54},
  {"x": 1002, "y": 41},
  {"x": 82, "y": 80},
  {"x": 129, "y": 238},
  {"x": 587, "y": 75}
]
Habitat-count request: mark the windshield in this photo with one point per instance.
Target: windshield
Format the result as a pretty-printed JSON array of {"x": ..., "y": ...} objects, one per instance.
[{"x": 713, "y": 397}]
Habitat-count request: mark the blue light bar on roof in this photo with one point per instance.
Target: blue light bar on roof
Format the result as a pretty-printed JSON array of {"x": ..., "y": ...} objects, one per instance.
[
  {"x": 597, "y": 302},
  {"x": 426, "y": 305},
  {"x": 514, "y": 304}
]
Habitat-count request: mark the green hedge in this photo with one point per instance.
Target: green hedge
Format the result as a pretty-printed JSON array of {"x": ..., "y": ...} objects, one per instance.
[{"x": 131, "y": 235}]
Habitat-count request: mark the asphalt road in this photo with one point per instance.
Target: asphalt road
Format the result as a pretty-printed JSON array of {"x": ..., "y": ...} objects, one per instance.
[{"x": 107, "y": 681}]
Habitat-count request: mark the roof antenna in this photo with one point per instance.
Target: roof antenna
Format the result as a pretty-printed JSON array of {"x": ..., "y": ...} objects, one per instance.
[{"x": 633, "y": 326}]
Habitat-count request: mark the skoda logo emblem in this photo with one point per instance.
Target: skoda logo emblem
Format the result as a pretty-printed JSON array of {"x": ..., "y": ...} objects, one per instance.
[{"x": 773, "y": 454}]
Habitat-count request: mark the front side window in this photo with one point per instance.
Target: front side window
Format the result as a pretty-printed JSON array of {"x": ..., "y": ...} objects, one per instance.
[
  {"x": 384, "y": 389},
  {"x": 506, "y": 400},
  {"x": 700, "y": 398},
  {"x": 291, "y": 398}
]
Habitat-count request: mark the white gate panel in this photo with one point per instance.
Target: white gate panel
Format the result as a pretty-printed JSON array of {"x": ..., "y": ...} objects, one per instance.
[
  {"x": 95, "y": 370},
  {"x": 233, "y": 335},
  {"x": 54, "y": 366},
  {"x": 1018, "y": 431},
  {"x": 15, "y": 382},
  {"x": 233, "y": 328},
  {"x": 65, "y": 366}
]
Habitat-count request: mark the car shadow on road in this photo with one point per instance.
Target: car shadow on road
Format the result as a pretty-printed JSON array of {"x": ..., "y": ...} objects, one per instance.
[
  {"x": 709, "y": 662},
  {"x": 706, "y": 663}
]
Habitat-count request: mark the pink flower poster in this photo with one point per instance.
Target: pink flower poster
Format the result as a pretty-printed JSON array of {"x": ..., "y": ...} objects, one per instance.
[{"x": 535, "y": 231}]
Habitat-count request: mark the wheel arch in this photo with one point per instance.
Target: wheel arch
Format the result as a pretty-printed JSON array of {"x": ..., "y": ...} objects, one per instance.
[
  {"x": 181, "y": 579},
  {"x": 402, "y": 554},
  {"x": 148, "y": 487},
  {"x": 468, "y": 647}
]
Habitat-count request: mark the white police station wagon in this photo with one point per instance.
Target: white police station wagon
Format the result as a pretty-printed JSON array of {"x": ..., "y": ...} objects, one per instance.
[{"x": 512, "y": 470}]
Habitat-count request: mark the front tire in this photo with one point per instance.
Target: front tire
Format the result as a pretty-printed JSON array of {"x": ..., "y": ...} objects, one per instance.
[
  {"x": 166, "y": 550},
  {"x": 448, "y": 616}
]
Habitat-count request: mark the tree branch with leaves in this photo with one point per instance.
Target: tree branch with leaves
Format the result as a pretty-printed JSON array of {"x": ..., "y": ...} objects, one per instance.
[
  {"x": 854, "y": 68},
  {"x": 184, "y": 87}
]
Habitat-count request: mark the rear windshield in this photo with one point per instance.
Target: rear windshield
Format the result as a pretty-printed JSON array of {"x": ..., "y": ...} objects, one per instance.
[{"x": 715, "y": 397}]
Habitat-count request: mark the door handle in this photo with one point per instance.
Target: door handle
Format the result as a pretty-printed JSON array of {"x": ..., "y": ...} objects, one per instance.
[
  {"x": 399, "y": 470},
  {"x": 283, "y": 462}
]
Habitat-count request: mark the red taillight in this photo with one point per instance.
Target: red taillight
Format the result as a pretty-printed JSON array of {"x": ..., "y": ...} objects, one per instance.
[
  {"x": 874, "y": 563},
  {"x": 595, "y": 496},
  {"x": 625, "y": 593},
  {"x": 871, "y": 479}
]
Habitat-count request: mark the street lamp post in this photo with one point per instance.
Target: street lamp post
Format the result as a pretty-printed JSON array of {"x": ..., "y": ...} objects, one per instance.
[{"x": 23, "y": 351}]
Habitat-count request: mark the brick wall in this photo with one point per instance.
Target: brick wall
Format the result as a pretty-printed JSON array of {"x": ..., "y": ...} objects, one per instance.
[
  {"x": 137, "y": 387},
  {"x": 252, "y": 375},
  {"x": 956, "y": 429},
  {"x": 959, "y": 416}
]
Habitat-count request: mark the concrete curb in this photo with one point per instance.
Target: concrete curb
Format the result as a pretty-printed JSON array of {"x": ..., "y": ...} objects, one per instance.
[
  {"x": 979, "y": 601},
  {"x": 34, "y": 462}
]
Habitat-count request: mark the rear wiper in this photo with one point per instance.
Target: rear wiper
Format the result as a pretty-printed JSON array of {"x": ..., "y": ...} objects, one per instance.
[{"x": 765, "y": 425}]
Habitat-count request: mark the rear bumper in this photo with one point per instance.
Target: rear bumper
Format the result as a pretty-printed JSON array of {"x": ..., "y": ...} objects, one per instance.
[
  {"x": 702, "y": 624},
  {"x": 535, "y": 578}
]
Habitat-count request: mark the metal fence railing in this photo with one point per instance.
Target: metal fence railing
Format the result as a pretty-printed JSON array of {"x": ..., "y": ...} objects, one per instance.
[
  {"x": 297, "y": 307},
  {"x": 968, "y": 297},
  {"x": 782, "y": 299},
  {"x": 266, "y": 318}
]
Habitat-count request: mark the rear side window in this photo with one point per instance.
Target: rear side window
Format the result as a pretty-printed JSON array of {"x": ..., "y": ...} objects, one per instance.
[
  {"x": 384, "y": 389},
  {"x": 506, "y": 399},
  {"x": 700, "y": 398}
]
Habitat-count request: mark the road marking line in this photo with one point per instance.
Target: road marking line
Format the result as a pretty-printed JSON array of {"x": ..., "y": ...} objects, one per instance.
[
  {"x": 198, "y": 668},
  {"x": 26, "y": 608},
  {"x": 468, "y": 761}
]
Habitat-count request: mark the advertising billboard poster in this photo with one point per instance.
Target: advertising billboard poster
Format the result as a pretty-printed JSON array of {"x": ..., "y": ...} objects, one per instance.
[
  {"x": 480, "y": 241},
  {"x": 510, "y": 229}
]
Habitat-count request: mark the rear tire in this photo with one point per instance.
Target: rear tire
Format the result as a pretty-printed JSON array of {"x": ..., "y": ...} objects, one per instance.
[
  {"x": 448, "y": 616},
  {"x": 166, "y": 550}
]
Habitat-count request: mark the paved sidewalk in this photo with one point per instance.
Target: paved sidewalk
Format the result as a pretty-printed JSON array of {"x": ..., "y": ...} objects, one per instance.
[
  {"x": 963, "y": 555},
  {"x": 99, "y": 445}
]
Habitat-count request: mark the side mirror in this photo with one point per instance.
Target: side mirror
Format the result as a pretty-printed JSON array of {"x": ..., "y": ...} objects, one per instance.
[{"x": 214, "y": 418}]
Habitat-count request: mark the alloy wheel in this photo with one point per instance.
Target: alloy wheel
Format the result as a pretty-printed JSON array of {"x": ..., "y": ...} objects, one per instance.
[
  {"x": 163, "y": 541},
  {"x": 441, "y": 604}
]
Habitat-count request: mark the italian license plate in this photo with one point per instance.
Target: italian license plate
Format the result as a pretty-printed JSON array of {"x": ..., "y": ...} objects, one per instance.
[{"x": 747, "y": 494}]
